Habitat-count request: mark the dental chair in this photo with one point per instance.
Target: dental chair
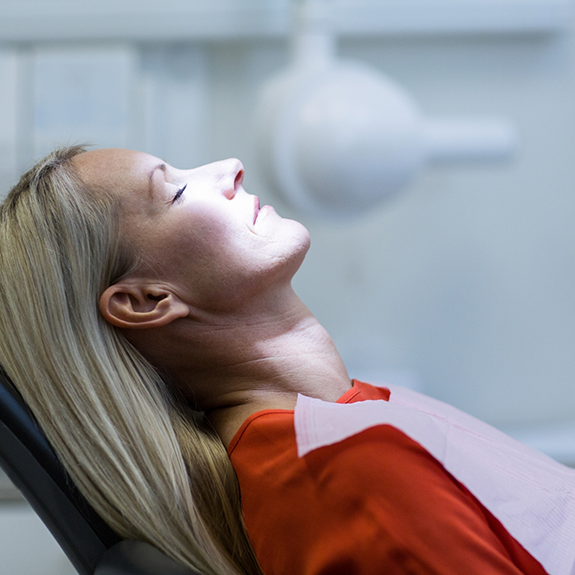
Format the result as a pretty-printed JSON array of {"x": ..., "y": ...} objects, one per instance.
[{"x": 31, "y": 464}]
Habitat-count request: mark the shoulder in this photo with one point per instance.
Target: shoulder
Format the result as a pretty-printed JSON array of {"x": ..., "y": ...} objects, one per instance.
[
  {"x": 370, "y": 489},
  {"x": 377, "y": 498}
]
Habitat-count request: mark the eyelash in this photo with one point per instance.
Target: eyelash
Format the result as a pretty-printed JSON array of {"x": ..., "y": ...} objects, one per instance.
[{"x": 179, "y": 193}]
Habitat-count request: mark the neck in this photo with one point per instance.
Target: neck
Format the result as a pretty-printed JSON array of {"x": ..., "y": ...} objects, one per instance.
[{"x": 244, "y": 363}]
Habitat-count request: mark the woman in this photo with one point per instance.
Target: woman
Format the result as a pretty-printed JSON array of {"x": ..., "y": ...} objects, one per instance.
[{"x": 134, "y": 292}]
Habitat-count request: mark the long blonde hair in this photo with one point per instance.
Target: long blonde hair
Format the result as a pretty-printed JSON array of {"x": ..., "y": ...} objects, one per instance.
[{"x": 140, "y": 459}]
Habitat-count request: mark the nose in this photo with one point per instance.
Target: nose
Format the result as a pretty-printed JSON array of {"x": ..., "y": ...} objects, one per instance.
[{"x": 233, "y": 176}]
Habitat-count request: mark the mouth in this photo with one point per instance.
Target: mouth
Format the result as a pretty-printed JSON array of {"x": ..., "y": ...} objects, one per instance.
[{"x": 256, "y": 208}]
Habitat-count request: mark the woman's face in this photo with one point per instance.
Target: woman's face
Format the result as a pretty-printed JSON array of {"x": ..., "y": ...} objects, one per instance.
[{"x": 198, "y": 230}]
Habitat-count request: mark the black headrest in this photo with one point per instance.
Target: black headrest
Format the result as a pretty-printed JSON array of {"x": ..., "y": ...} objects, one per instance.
[
  {"x": 31, "y": 464},
  {"x": 15, "y": 414}
]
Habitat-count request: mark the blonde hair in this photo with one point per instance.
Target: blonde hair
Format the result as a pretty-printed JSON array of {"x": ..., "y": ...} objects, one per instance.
[{"x": 137, "y": 455}]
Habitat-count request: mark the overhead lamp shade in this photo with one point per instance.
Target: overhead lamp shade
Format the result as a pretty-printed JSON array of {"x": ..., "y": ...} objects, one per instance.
[{"x": 337, "y": 137}]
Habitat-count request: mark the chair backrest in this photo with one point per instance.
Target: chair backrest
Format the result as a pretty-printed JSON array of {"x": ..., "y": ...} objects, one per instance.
[{"x": 31, "y": 464}]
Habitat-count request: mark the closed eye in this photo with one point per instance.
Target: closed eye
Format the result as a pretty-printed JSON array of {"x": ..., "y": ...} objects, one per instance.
[{"x": 179, "y": 193}]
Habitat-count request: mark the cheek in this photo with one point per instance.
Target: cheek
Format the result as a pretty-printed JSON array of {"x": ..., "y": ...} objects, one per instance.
[
  {"x": 197, "y": 246},
  {"x": 207, "y": 257}
]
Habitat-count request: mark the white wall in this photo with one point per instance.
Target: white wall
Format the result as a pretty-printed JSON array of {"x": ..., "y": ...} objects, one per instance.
[
  {"x": 26, "y": 546},
  {"x": 470, "y": 275}
]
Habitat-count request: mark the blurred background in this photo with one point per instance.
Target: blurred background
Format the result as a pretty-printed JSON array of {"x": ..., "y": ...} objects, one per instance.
[{"x": 462, "y": 285}]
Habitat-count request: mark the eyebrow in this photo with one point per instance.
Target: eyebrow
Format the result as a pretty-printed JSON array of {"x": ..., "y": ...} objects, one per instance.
[{"x": 151, "y": 173}]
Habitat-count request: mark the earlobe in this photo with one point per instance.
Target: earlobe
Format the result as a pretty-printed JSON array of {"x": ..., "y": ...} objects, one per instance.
[{"x": 129, "y": 305}]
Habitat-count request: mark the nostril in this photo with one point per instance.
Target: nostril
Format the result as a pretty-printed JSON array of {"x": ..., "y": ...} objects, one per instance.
[
  {"x": 239, "y": 179},
  {"x": 232, "y": 177}
]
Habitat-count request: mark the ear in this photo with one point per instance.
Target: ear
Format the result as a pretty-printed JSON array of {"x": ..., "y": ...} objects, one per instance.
[{"x": 131, "y": 304}]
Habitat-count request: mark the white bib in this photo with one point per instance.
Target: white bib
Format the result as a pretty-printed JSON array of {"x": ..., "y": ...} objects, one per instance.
[{"x": 531, "y": 494}]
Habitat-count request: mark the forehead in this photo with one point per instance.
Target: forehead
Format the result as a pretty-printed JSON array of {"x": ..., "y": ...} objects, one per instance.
[{"x": 115, "y": 169}]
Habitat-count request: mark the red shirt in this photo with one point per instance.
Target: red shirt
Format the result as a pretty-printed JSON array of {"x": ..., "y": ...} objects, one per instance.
[{"x": 376, "y": 503}]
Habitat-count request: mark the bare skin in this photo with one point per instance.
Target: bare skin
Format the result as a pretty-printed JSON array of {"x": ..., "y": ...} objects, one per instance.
[
  {"x": 211, "y": 303},
  {"x": 237, "y": 365}
]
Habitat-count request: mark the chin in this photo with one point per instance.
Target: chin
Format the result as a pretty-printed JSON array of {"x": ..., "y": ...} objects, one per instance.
[
  {"x": 301, "y": 245},
  {"x": 301, "y": 237},
  {"x": 300, "y": 229}
]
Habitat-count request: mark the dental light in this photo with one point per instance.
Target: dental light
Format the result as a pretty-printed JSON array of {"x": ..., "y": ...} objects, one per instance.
[{"x": 336, "y": 137}]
